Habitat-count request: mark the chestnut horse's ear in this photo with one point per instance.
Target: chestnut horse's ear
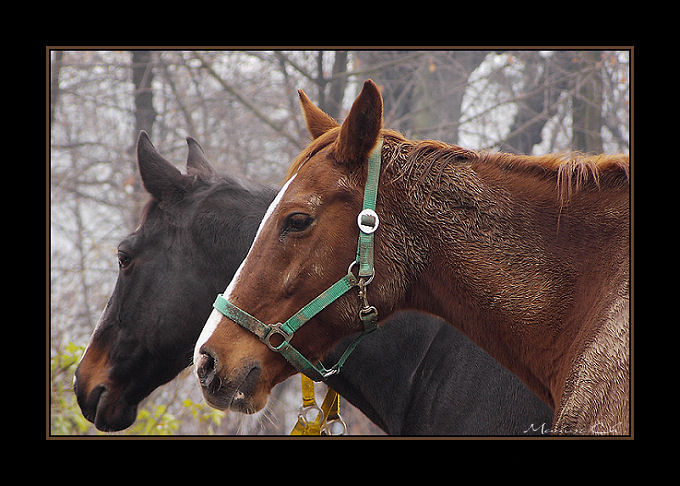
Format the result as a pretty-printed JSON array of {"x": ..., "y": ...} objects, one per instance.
[
  {"x": 360, "y": 130},
  {"x": 161, "y": 179},
  {"x": 318, "y": 121},
  {"x": 197, "y": 164}
]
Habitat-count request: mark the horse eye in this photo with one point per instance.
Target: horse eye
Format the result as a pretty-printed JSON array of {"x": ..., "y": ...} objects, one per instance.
[
  {"x": 297, "y": 222},
  {"x": 123, "y": 259}
]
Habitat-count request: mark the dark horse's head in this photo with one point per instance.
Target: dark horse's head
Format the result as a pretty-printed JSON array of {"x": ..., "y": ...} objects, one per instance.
[{"x": 163, "y": 295}]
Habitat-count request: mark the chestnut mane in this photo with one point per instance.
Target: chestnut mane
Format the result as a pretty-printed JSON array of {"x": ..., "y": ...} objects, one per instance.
[{"x": 572, "y": 171}]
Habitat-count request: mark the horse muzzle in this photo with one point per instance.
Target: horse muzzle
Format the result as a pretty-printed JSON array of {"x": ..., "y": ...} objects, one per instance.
[
  {"x": 102, "y": 406},
  {"x": 236, "y": 391}
]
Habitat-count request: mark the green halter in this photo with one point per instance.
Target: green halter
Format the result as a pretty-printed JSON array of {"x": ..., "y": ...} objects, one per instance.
[{"x": 367, "y": 221}]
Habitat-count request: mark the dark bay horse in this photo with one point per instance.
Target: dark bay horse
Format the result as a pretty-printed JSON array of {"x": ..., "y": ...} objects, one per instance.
[
  {"x": 168, "y": 267},
  {"x": 194, "y": 233},
  {"x": 527, "y": 255}
]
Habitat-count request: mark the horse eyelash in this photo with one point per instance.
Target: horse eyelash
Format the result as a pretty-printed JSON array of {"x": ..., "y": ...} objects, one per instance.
[{"x": 287, "y": 227}]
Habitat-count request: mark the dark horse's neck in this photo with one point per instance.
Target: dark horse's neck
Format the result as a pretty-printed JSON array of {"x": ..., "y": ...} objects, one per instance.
[
  {"x": 418, "y": 375},
  {"x": 503, "y": 255}
]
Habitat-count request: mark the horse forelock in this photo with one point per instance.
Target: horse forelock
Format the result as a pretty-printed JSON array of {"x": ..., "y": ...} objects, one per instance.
[
  {"x": 206, "y": 209},
  {"x": 312, "y": 148}
]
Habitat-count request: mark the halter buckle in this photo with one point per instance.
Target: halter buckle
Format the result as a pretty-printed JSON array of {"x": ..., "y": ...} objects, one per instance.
[{"x": 368, "y": 221}]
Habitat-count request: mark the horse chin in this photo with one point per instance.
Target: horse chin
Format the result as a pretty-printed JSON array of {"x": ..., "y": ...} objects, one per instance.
[
  {"x": 113, "y": 414},
  {"x": 244, "y": 394},
  {"x": 248, "y": 405}
]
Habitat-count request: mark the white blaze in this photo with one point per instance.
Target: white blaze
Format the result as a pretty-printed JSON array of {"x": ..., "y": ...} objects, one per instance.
[{"x": 216, "y": 316}]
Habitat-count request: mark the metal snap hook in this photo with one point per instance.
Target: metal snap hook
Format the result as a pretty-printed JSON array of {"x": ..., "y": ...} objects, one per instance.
[{"x": 368, "y": 313}]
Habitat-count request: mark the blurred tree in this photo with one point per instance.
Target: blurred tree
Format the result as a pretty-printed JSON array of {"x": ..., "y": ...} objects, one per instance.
[
  {"x": 54, "y": 82},
  {"x": 542, "y": 81},
  {"x": 142, "y": 70},
  {"x": 587, "y": 102}
]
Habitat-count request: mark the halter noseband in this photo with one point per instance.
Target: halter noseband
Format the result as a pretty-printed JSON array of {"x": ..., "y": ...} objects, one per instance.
[{"x": 367, "y": 221}]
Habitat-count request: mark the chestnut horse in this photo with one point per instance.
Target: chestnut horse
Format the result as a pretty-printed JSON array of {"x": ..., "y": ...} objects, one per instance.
[
  {"x": 528, "y": 255},
  {"x": 194, "y": 232}
]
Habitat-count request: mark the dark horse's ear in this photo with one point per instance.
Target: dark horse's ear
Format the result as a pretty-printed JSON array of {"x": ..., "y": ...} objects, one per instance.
[
  {"x": 360, "y": 130},
  {"x": 197, "y": 164},
  {"x": 318, "y": 121},
  {"x": 161, "y": 179}
]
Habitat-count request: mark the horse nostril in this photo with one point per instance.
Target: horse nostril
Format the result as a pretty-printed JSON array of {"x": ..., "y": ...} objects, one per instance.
[{"x": 206, "y": 370}]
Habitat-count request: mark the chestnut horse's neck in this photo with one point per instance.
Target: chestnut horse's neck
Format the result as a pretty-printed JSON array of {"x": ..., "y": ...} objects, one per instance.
[{"x": 495, "y": 248}]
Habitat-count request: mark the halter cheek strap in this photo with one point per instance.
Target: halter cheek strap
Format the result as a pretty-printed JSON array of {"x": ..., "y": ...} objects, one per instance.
[{"x": 277, "y": 336}]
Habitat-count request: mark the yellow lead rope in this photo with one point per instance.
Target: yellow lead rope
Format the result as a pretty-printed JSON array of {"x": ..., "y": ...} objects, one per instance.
[{"x": 327, "y": 420}]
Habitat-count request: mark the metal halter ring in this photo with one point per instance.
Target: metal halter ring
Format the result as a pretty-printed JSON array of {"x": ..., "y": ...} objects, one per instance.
[
  {"x": 276, "y": 329},
  {"x": 307, "y": 421},
  {"x": 334, "y": 426},
  {"x": 368, "y": 221},
  {"x": 349, "y": 270}
]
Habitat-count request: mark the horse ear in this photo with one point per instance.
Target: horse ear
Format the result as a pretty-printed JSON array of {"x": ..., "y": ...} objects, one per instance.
[
  {"x": 161, "y": 179},
  {"x": 360, "y": 130},
  {"x": 197, "y": 164},
  {"x": 318, "y": 121}
]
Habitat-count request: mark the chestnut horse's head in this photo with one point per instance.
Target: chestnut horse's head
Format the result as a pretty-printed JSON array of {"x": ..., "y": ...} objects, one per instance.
[{"x": 304, "y": 245}]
